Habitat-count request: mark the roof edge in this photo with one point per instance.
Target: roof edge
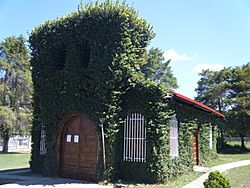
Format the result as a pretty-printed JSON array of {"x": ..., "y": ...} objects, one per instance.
[{"x": 196, "y": 103}]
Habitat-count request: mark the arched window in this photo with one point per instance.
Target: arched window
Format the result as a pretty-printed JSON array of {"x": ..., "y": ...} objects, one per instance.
[
  {"x": 85, "y": 54},
  {"x": 77, "y": 56},
  {"x": 174, "y": 151},
  {"x": 42, "y": 141},
  {"x": 59, "y": 56},
  {"x": 211, "y": 137},
  {"x": 134, "y": 149}
]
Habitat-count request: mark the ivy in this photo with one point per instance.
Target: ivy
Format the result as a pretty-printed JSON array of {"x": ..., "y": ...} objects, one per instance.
[
  {"x": 88, "y": 63},
  {"x": 84, "y": 63},
  {"x": 190, "y": 118}
]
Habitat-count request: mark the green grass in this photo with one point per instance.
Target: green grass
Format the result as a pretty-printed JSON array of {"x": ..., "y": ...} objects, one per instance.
[
  {"x": 228, "y": 158},
  {"x": 177, "y": 183},
  {"x": 233, "y": 154},
  {"x": 183, "y": 180},
  {"x": 235, "y": 143},
  {"x": 14, "y": 160},
  {"x": 239, "y": 177}
]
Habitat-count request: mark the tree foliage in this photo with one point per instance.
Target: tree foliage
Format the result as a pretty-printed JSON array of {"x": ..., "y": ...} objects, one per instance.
[
  {"x": 212, "y": 88},
  {"x": 15, "y": 88},
  {"x": 228, "y": 91},
  {"x": 239, "y": 100},
  {"x": 159, "y": 70},
  {"x": 7, "y": 122}
]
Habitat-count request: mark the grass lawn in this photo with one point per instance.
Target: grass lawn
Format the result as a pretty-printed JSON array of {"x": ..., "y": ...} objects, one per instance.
[
  {"x": 228, "y": 158},
  {"x": 239, "y": 177},
  {"x": 14, "y": 160},
  {"x": 232, "y": 155},
  {"x": 183, "y": 180},
  {"x": 177, "y": 183},
  {"x": 235, "y": 143}
]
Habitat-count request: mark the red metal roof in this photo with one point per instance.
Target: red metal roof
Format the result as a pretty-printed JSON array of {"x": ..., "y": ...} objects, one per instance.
[{"x": 198, "y": 104}]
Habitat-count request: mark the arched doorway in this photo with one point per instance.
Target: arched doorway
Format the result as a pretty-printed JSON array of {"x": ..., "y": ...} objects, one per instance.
[{"x": 78, "y": 154}]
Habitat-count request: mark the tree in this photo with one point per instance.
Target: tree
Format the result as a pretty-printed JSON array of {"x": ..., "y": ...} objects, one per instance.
[
  {"x": 7, "y": 119},
  {"x": 228, "y": 91},
  {"x": 15, "y": 88},
  {"x": 158, "y": 70},
  {"x": 239, "y": 98},
  {"x": 212, "y": 89}
]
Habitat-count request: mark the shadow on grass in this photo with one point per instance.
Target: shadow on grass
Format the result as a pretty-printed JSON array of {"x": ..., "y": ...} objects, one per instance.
[{"x": 233, "y": 149}]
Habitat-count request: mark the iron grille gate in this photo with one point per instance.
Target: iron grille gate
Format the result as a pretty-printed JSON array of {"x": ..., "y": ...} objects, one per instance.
[{"x": 134, "y": 149}]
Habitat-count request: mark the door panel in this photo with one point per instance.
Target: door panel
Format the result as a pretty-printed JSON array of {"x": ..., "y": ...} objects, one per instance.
[
  {"x": 70, "y": 149},
  {"x": 79, "y": 149},
  {"x": 88, "y": 151},
  {"x": 195, "y": 147}
]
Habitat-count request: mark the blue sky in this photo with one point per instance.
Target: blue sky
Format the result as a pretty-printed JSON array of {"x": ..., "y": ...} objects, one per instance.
[{"x": 194, "y": 34}]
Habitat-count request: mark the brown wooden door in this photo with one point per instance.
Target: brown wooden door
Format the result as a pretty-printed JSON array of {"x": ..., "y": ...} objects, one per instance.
[
  {"x": 195, "y": 147},
  {"x": 79, "y": 149}
]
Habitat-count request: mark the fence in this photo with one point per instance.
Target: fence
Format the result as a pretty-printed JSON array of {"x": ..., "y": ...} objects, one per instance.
[{"x": 18, "y": 143}]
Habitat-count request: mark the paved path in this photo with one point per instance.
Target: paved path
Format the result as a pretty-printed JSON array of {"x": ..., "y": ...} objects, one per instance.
[
  {"x": 198, "y": 183},
  {"x": 43, "y": 182}
]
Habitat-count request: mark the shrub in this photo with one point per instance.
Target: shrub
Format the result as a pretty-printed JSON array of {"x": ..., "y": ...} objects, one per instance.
[{"x": 216, "y": 180}]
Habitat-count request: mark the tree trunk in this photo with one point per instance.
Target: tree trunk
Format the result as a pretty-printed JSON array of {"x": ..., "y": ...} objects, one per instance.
[
  {"x": 5, "y": 143},
  {"x": 242, "y": 142}
]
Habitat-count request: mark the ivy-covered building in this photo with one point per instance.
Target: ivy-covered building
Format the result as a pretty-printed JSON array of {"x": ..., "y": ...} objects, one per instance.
[
  {"x": 95, "y": 115},
  {"x": 203, "y": 122}
]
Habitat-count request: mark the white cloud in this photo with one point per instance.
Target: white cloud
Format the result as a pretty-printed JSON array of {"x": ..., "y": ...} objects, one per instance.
[
  {"x": 213, "y": 67},
  {"x": 175, "y": 56}
]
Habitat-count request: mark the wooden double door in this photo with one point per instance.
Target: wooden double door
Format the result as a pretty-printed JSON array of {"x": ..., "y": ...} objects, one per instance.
[
  {"x": 195, "y": 146},
  {"x": 78, "y": 154}
]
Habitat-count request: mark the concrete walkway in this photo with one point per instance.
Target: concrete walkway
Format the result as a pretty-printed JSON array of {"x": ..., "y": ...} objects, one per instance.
[
  {"x": 198, "y": 183},
  {"x": 21, "y": 181}
]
